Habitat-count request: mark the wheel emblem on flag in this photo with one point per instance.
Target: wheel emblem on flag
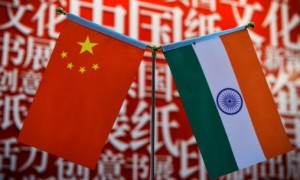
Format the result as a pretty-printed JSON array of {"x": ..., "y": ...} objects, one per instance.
[{"x": 229, "y": 101}]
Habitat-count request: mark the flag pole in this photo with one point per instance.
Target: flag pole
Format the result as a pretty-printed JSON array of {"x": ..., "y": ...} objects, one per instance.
[{"x": 154, "y": 50}]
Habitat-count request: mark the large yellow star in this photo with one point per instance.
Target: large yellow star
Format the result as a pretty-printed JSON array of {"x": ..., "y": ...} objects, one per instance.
[{"x": 87, "y": 45}]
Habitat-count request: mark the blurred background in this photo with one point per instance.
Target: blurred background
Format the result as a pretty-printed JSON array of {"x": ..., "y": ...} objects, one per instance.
[{"x": 28, "y": 32}]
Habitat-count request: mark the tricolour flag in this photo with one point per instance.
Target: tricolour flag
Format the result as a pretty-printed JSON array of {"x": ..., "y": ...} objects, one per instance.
[
  {"x": 227, "y": 101},
  {"x": 82, "y": 90}
]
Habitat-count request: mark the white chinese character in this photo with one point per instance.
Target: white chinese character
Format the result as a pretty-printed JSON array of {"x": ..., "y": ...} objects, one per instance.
[
  {"x": 8, "y": 151},
  {"x": 285, "y": 92},
  {"x": 291, "y": 127},
  {"x": 139, "y": 165},
  {"x": 166, "y": 124},
  {"x": 15, "y": 17},
  {"x": 30, "y": 82},
  {"x": 237, "y": 175},
  {"x": 200, "y": 24},
  {"x": 249, "y": 10},
  {"x": 187, "y": 157},
  {"x": 98, "y": 11},
  {"x": 272, "y": 168},
  {"x": 287, "y": 24},
  {"x": 144, "y": 76},
  {"x": 163, "y": 85},
  {"x": 70, "y": 171},
  {"x": 13, "y": 105},
  {"x": 164, "y": 167},
  {"x": 11, "y": 49},
  {"x": 140, "y": 118},
  {"x": 120, "y": 130},
  {"x": 252, "y": 170},
  {"x": 274, "y": 58},
  {"x": 293, "y": 165},
  {"x": 33, "y": 155},
  {"x": 293, "y": 61},
  {"x": 53, "y": 18},
  {"x": 8, "y": 81},
  {"x": 163, "y": 79},
  {"x": 205, "y": 4},
  {"x": 110, "y": 166},
  {"x": 159, "y": 32},
  {"x": 38, "y": 52}
]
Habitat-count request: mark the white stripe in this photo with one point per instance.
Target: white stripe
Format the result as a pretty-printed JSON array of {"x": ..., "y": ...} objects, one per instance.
[{"x": 239, "y": 129}]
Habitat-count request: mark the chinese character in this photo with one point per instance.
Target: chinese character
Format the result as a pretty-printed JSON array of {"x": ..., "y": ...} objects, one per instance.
[
  {"x": 110, "y": 165},
  {"x": 160, "y": 19},
  {"x": 11, "y": 49},
  {"x": 15, "y": 18}
]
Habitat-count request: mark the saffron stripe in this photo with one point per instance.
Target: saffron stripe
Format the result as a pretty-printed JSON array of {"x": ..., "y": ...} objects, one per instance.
[{"x": 262, "y": 109}]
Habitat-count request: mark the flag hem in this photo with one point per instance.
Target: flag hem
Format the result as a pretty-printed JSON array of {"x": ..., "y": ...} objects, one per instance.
[
  {"x": 106, "y": 31},
  {"x": 171, "y": 46}
]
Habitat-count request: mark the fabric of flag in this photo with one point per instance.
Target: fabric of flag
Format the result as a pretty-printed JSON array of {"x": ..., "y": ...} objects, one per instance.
[
  {"x": 82, "y": 90},
  {"x": 227, "y": 100}
]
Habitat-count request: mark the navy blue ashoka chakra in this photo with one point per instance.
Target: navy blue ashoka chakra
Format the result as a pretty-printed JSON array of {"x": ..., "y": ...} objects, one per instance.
[{"x": 229, "y": 101}]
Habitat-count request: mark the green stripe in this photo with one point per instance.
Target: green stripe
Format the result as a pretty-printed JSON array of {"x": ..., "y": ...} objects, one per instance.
[{"x": 202, "y": 112}]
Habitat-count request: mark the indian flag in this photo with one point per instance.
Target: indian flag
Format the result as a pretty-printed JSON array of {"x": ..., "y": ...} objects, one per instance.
[{"x": 227, "y": 100}]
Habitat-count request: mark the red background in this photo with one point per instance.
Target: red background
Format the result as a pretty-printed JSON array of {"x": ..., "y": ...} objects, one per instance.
[{"x": 28, "y": 33}]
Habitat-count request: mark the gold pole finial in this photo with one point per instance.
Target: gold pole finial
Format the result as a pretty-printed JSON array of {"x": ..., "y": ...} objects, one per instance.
[
  {"x": 250, "y": 25},
  {"x": 61, "y": 11},
  {"x": 154, "y": 49}
]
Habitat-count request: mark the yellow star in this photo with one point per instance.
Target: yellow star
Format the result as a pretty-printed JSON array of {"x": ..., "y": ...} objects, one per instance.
[
  {"x": 87, "y": 45},
  {"x": 64, "y": 54},
  {"x": 95, "y": 67},
  {"x": 70, "y": 65},
  {"x": 82, "y": 70}
]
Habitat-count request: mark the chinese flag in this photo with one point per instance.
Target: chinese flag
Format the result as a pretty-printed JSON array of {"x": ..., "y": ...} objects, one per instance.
[{"x": 82, "y": 90}]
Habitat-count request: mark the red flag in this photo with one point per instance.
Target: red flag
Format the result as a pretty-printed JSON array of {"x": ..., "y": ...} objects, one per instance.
[{"x": 82, "y": 90}]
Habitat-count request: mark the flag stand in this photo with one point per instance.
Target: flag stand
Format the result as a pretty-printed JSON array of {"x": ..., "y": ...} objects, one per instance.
[{"x": 154, "y": 50}]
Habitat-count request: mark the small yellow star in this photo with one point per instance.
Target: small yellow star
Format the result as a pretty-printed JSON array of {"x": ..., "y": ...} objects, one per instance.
[
  {"x": 82, "y": 70},
  {"x": 95, "y": 67},
  {"x": 87, "y": 45},
  {"x": 64, "y": 54},
  {"x": 70, "y": 65}
]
